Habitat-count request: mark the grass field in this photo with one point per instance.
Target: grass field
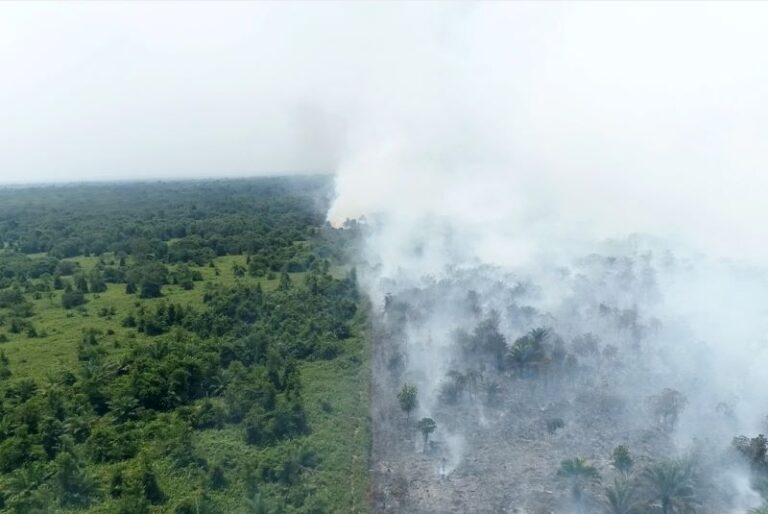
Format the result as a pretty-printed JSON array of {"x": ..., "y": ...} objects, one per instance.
[
  {"x": 335, "y": 391},
  {"x": 63, "y": 329}
]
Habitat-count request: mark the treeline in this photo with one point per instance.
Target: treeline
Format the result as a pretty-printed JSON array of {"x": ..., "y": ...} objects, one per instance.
[{"x": 188, "y": 222}]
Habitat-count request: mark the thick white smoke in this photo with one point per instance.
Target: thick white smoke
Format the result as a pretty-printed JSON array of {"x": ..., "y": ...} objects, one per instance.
[
  {"x": 567, "y": 122},
  {"x": 526, "y": 136}
]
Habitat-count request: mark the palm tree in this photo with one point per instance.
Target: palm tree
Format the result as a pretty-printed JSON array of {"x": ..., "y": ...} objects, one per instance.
[
  {"x": 487, "y": 339},
  {"x": 123, "y": 407},
  {"x": 427, "y": 426},
  {"x": 73, "y": 486},
  {"x": 257, "y": 504},
  {"x": 578, "y": 473},
  {"x": 622, "y": 498},
  {"x": 459, "y": 381},
  {"x": 667, "y": 407},
  {"x": 622, "y": 460},
  {"x": 759, "y": 510},
  {"x": 525, "y": 354},
  {"x": 472, "y": 378},
  {"x": 670, "y": 483},
  {"x": 407, "y": 399},
  {"x": 22, "y": 488},
  {"x": 492, "y": 392},
  {"x": 539, "y": 335},
  {"x": 217, "y": 384}
]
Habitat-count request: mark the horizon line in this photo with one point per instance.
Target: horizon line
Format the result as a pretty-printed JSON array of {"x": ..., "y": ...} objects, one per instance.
[{"x": 166, "y": 179}]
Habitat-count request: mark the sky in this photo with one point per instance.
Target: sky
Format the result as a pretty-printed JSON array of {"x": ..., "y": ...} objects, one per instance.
[
  {"x": 614, "y": 117},
  {"x": 115, "y": 90}
]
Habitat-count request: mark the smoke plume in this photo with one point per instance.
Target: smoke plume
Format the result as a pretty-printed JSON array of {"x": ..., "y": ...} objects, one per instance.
[{"x": 595, "y": 170}]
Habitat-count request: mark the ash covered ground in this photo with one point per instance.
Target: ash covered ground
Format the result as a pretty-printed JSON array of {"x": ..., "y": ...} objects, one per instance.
[{"x": 534, "y": 380}]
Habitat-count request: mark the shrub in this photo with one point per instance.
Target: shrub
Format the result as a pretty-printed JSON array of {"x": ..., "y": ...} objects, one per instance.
[{"x": 72, "y": 299}]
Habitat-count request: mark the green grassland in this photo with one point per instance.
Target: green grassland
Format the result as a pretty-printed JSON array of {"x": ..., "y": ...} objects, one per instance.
[
  {"x": 36, "y": 357},
  {"x": 322, "y": 468},
  {"x": 336, "y": 392}
]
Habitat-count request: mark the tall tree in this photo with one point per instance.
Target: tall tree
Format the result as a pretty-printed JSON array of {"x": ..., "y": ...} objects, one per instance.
[
  {"x": 622, "y": 498},
  {"x": 427, "y": 426},
  {"x": 407, "y": 399},
  {"x": 72, "y": 485},
  {"x": 285, "y": 282},
  {"x": 670, "y": 484},
  {"x": 528, "y": 352},
  {"x": 578, "y": 473},
  {"x": 622, "y": 460},
  {"x": 667, "y": 407}
]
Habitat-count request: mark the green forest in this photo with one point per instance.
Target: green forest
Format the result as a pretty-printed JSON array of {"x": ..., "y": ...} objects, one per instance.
[{"x": 181, "y": 347}]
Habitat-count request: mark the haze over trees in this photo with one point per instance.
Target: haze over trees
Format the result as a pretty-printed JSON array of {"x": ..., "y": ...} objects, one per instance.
[
  {"x": 518, "y": 392},
  {"x": 426, "y": 427},
  {"x": 407, "y": 398},
  {"x": 578, "y": 473}
]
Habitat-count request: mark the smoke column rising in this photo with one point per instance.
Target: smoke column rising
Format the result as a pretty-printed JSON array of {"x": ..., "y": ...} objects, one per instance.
[
  {"x": 568, "y": 121},
  {"x": 516, "y": 140}
]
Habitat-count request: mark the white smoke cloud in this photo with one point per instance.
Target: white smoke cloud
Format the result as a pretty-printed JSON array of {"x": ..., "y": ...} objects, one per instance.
[
  {"x": 525, "y": 135},
  {"x": 570, "y": 121}
]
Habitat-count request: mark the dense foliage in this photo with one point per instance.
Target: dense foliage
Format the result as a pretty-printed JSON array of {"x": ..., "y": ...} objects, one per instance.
[{"x": 193, "y": 354}]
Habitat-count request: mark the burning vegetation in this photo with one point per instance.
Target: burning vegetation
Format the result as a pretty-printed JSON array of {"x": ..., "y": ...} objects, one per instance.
[{"x": 494, "y": 393}]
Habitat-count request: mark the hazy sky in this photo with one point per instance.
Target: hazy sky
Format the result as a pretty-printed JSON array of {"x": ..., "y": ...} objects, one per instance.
[
  {"x": 612, "y": 117},
  {"x": 105, "y": 90},
  {"x": 553, "y": 123}
]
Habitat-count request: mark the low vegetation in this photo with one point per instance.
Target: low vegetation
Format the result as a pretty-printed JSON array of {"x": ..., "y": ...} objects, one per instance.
[{"x": 184, "y": 348}]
